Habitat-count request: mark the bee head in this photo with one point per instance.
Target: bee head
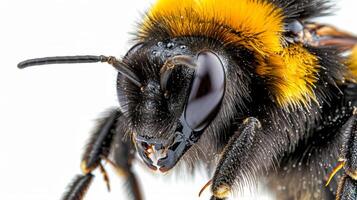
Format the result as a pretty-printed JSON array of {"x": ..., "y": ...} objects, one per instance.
[{"x": 179, "y": 95}]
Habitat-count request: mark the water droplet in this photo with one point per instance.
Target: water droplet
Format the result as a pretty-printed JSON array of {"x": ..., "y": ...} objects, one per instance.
[
  {"x": 170, "y": 45},
  {"x": 183, "y": 46}
]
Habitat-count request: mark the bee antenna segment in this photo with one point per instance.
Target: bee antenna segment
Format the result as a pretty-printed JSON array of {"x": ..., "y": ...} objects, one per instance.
[{"x": 117, "y": 64}]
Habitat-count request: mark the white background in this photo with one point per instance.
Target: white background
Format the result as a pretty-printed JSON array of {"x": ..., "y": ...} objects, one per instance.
[{"x": 47, "y": 112}]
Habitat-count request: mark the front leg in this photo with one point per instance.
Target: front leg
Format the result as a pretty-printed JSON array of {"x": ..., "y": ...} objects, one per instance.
[
  {"x": 98, "y": 148},
  {"x": 124, "y": 153},
  {"x": 107, "y": 138},
  {"x": 237, "y": 160},
  {"x": 347, "y": 189}
]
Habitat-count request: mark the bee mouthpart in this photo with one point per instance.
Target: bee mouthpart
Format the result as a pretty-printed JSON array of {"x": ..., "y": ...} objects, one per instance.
[
  {"x": 167, "y": 153},
  {"x": 150, "y": 150}
]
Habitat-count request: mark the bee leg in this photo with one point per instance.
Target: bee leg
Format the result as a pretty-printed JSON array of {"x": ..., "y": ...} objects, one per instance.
[
  {"x": 347, "y": 188},
  {"x": 124, "y": 154},
  {"x": 97, "y": 149},
  {"x": 233, "y": 158},
  {"x": 79, "y": 187}
]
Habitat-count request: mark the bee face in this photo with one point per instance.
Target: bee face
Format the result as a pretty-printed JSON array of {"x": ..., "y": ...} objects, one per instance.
[
  {"x": 180, "y": 95},
  {"x": 155, "y": 105}
]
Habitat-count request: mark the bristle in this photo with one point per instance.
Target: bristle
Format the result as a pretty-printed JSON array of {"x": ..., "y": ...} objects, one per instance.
[{"x": 304, "y": 9}]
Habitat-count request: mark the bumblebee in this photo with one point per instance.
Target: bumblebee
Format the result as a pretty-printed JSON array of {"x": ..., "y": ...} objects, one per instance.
[{"x": 252, "y": 90}]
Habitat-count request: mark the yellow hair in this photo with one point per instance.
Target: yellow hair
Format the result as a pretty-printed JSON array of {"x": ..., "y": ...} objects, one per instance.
[
  {"x": 292, "y": 73},
  {"x": 257, "y": 25},
  {"x": 353, "y": 62}
]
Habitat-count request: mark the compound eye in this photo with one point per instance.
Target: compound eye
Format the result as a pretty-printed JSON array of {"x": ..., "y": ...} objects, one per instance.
[{"x": 207, "y": 90}]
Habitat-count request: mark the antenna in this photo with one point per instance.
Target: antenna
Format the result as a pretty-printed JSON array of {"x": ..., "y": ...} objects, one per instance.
[{"x": 122, "y": 68}]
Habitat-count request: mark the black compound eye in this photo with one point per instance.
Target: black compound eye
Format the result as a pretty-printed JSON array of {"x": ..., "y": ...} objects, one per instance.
[{"x": 207, "y": 90}]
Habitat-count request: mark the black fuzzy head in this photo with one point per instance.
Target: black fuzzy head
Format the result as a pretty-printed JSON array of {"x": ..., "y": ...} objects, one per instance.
[
  {"x": 160, "y": 112},
  {"x": 150, "y": 109}
]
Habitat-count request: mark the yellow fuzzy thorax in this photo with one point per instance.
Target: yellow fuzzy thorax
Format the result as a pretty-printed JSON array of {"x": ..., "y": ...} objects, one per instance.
[
  {"x": 293, "y": 76},
  {"x": 257, "y": 25}
]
